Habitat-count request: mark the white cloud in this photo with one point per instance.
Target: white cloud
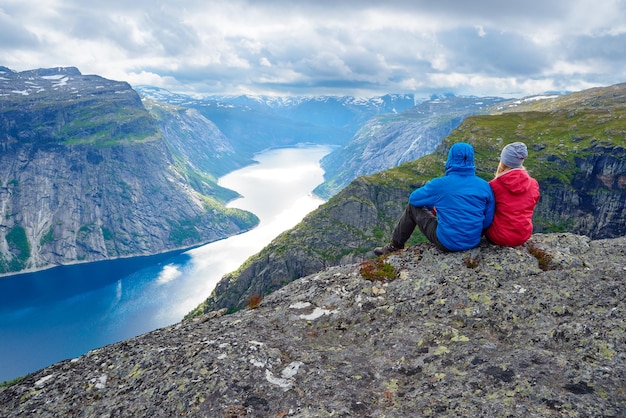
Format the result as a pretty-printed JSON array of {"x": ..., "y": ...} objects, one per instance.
[
  {"x": 151, "y": 79},
  {"x": 362, "y": 47}
]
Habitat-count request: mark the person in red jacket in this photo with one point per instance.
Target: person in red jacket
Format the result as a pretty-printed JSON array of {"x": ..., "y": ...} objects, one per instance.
[{"x": 516, "y": 194}]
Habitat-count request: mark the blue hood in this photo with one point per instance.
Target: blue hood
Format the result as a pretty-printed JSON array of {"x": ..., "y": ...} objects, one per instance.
[{"x": 461, "y": 159}]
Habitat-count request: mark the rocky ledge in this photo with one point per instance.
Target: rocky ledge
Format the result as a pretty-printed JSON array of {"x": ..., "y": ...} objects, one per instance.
[{"x": 536, "y": 330}]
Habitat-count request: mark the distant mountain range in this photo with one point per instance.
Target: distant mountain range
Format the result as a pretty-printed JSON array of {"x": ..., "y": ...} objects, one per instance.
[
  {"x": 255, "y": 123},
  {"x": 386, "y": 141}
]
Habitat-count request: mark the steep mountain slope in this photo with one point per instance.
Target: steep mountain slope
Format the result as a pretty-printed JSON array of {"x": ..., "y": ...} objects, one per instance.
[
  {"x": 389, "y": 140},
  {"x": 532, "y": 331},
  {"x": 577, "y": 153},
  {"x": 196, "y": 143},
  {"x": 87, "y": 174}
]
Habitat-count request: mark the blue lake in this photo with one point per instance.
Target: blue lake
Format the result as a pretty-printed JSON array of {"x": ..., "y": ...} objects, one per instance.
[{"x": 66, "y": 311}]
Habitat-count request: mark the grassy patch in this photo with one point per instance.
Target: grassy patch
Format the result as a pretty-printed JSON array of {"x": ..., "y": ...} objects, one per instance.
[
  {"x": 18, "y": 243},
  {"x": 11, "y": 382},
  {"x": 184, "y": 231},
  {"x": 377, "y": 270},
  {"x": 47, "y": 238},
  {"x": 19, "y": 251},
  {"x": 107, "y": 234}
]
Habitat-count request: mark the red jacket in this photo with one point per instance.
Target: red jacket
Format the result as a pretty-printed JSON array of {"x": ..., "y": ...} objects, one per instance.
[{"x": 516, "y": 194}]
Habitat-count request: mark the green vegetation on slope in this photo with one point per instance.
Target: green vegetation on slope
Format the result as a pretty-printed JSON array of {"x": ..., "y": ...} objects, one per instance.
[
  {"x": 555, "y": 139},
  {"x": 101, "y": 127},
  {"x": 97, "y": 112},
  {"x": 186, "y": 230},
  {"x": 19, "y": 249}
]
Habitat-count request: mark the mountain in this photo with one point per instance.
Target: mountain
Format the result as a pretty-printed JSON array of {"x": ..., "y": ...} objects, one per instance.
[
  {"x": 386, "y": 141},
  {"x": 577, "y": 153},
  {"x": 531, "y": 331},
  {"x": 87, "y": 173},
  {"x": 254, "y": 123}
]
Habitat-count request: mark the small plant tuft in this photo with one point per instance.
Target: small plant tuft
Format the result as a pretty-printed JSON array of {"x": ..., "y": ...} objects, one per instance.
[
  {"x": 472, "y": 261},
  {"x": 254, "y": 302},
  {"x": 544, "y": 259},
  {"x": 378, "y": 269},
  {"x": 234, "y": 411}
]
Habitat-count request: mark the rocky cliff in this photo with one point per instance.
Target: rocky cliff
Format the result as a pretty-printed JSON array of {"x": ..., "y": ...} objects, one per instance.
[
  {"x": 535, "y": 331},
  {"x": 577, "y": 146},
  {"x": 86, "y": 173}
]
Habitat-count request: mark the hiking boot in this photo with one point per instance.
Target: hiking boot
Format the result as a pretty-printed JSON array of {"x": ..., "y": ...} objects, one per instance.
[{"x": 389, "y": 248}]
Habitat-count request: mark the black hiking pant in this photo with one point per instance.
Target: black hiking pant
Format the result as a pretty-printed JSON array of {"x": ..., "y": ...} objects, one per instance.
[{"x": 416, "y": 216}]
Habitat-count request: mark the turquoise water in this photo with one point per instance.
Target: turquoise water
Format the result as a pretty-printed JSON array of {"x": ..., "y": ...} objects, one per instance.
[{"x": 66, "y": 311}]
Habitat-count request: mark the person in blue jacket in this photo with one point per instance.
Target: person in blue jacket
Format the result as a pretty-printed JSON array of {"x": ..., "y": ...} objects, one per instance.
[{"x": 451, "y": 211}]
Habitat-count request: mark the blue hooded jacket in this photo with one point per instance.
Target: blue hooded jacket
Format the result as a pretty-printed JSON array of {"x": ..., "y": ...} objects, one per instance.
[{"x": 464, "y": 202}]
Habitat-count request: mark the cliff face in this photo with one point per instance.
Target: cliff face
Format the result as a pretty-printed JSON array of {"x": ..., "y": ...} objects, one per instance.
[
  {"x": 87, "y": 174},
  {"x": 577, "y": 153},
  {"x": 536, "y": 330},
  {"x": 86, "y": 204},
  {"x": 46, "y": 107},
  {"x": 195, "y": 140},
  {"x": 596, "y": 203}
]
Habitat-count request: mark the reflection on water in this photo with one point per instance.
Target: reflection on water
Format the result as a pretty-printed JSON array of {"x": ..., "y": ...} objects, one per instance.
[{"x": 59, "y": 313}]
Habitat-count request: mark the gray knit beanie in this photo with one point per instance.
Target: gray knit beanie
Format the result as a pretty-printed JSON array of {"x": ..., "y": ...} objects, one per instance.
[{"x": 513, "y": 155}]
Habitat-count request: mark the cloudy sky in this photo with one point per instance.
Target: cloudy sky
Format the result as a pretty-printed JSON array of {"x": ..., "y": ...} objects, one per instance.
[{"x": 362, "y": 48}]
